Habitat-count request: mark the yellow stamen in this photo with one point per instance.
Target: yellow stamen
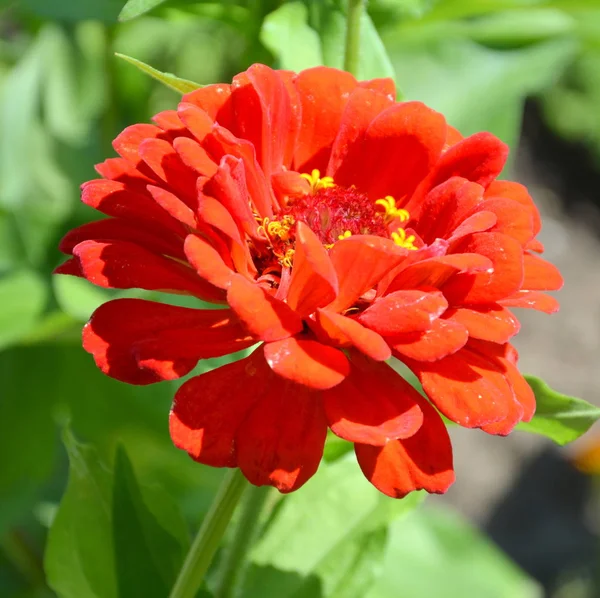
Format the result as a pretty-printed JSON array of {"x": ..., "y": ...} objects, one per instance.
[
  {"x": 278, "y": 228},
  {"x": 288, "y": 258},
  {"x": 400, "y": 238},
  {"x": 391, "y": 212},
  {"x": 345, "y": 235},
  {"x": 316, "y": 182}
]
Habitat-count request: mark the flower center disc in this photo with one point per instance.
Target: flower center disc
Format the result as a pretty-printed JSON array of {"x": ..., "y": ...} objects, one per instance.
[{"x": 334, "y": 213}]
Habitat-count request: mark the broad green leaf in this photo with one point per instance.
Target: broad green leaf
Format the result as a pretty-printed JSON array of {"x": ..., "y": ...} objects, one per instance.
[
  {"x": 559, "y": 417},
  {"x": 148, "y": 552},
  {"x": 111, "y": 536},
  {"x": 476, "y": 88},
  {"x": 23, "y": 296},
  {"x": 77, "y": 297},
  {"x": 513, "y": 28},
  {"x": 80, "y": 552},
  {"x": 168, "y": 79},
  {"x": 79, "y": 10},
  {"x": 434, "y": 553},
  {"x": 27, "y": 430},
  {"x": 336, "y": 447},
  {"x": 63, "y": 116},
  {"x": 286, "y": 33},
  {"x": 135, "y": 8},
  {"x": 328, "y": 536}
]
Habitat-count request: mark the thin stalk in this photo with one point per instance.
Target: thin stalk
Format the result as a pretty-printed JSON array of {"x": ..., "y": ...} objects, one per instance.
[
  {"x": 244, "y": 534},
  {"x": 352, "y": 52},
  {"x": 209, "y": 536}
]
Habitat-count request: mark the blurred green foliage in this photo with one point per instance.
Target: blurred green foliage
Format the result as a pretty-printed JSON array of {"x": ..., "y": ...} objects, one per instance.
[{"x": 63, "y": 97}]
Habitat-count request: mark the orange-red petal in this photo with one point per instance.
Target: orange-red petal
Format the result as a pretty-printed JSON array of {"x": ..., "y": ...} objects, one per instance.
[
  {"x": 307, "y": 362},
  {"x": 373, "y": 405},
  {"x": 421, "y": 462}
]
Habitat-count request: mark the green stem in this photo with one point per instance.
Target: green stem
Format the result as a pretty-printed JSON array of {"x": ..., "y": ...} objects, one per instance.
[
  {"x": 352, "y": 53},
  {"x": 209, "y": 536},
  {"x": 244, "y": 534}
]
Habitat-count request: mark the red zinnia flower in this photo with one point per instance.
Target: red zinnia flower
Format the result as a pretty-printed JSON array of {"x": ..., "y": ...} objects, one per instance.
[{"x": 406, "y": 246}]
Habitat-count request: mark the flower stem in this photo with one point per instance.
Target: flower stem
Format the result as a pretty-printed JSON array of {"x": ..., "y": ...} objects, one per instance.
[
  {"x": 352, "y": 53},
  {"x": 244, "y": 534},
  {"x": 209, "y": 536}
]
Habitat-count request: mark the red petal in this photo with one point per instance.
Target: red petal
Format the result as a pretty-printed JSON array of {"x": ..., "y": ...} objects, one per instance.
[
  {"x": 170, "y": 123},
  {"x": 373, "y": 405},
  {"x": 70, "y": 268},
  {"x": 466, "y": 388},
  {"x": 404, "y": 311},
  {"x": 360, "y": 263},
  {"x": 160, "y": 156},
  {"x": 123, "y": 230},
  {"x": 173, "y": 206},
  {"x": 385, "y": 86},
  {"x": 197, "y": 121},
  {"x": 532, "y": 300},
  {"x": 362, "y": 107},
  {"x": 209, "y": 409},
  {"x": 119, "y": 169},
  {"x": 518, "y": 193},
  {"x": 323, "y": 95},
  {"x": 479, "y": 158},
  {"x": 441, "y": 339},
  {"x": 507, "y": 275},
  {"x": 267, "y": 318},
  {"x": 444, "y": 207},
  {"x": 421, "y": 462},
  {"x": 540, "y": 275},
  {"x": 346, "y": 332},
  {"x": 281, "y": 441},
  {"x": 434, "y": 272},
  {"x": 140, "y": 342},
  {"x": 486, "y": 322},
  {"x": 476, "y": 223},
  {"x": 512, "y": 219},
  {"x": 125, "y": 265},
  {"x": 226, "y": 147},
  {"x": 229, "y": 187},
  {"x": 215, "y": 100},
  {"x": 399, "y": 149},
  {"x": 263, "y": 114},
  {"x": 307, "y": 362},
  {"x": 194, "y": 156},
  {"x": 208, "y": 262},
  {"x": 314, "y": 282},
  {"x": 115, "y": 199},
  {"x": 127, "y": 144}
]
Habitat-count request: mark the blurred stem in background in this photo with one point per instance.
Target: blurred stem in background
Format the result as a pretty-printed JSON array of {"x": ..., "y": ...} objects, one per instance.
[
  {"x": 352, "y": 51},
  {"x": 244, "y": 534},
  {"x": 209, "y": 536}
]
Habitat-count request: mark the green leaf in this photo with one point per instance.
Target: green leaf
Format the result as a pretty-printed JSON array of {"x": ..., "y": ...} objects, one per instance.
[
  {"x": 168, "y": 79},
  {"x": 77, "y": 297},
  {"x": 559, "y": 417},
  {"x": 330, "y": 536},
  {"x": 476, "y": 88},
  {"x": 135, "y": 8},
  {"x": 81, "y": 10},
  {"x": 286, "y": 33},
  {"x": 434, "y": 553},
  {"x": 148, "y": 552},
  {"x": 80, "y": 557},
  {"x": 112, "y": 537},
  {"x": 23, "y": 296}
]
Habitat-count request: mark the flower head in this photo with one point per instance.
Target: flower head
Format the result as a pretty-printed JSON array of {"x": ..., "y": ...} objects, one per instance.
[{"x": 338, "y": 229}]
